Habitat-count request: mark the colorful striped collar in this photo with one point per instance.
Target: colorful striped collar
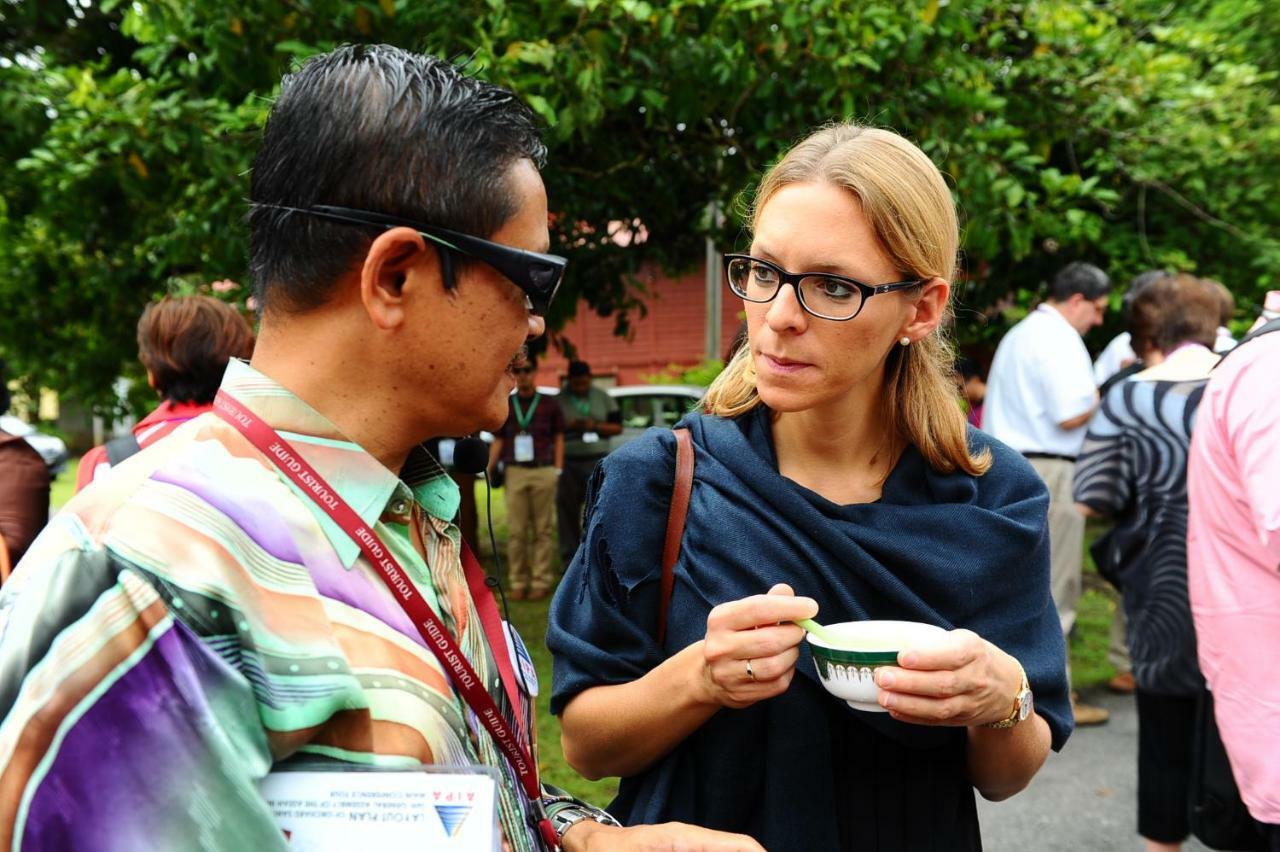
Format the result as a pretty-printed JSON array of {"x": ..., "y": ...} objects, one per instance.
[{"x": 358, "y": 477}]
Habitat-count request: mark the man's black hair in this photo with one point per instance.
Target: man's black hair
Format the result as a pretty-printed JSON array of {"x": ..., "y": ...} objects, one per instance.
[
  {"x": 579, "y": 368},
  {"x": 377, "y": 128},
  {"x": 1083, "y": 278},
  {"x": 1140, "y": 282}
]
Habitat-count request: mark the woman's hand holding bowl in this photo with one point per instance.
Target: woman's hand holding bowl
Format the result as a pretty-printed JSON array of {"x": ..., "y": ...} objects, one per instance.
[
  {"x": 751, "y": 647},
  {"x": 961, "y": 679}
]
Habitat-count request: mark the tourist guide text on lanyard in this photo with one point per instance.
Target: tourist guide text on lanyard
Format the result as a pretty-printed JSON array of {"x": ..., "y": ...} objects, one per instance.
[{"x": 433, "y": 632}]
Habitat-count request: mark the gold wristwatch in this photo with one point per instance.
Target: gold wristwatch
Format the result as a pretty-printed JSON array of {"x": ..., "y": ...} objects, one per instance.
[{"x": 1022, "y": 702}]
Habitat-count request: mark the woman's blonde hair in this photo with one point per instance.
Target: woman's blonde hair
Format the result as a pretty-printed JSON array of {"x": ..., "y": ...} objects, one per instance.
[{"x": 908, "y": 206}]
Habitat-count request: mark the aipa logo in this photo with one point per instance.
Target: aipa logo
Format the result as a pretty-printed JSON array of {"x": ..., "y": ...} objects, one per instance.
[{"x": 452, "y": 817}]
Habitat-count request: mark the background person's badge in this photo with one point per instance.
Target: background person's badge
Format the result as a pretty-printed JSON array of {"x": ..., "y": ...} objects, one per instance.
[{"x": 521, "y": 662}]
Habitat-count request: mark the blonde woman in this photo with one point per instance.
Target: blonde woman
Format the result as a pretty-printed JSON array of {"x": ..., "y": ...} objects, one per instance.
[{"x": 834, "y": 461}]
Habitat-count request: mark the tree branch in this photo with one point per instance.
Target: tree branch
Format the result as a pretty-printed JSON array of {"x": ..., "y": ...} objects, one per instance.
[
  {"x": 1142, "y": 222},
  {"x": 1197, "y": 211},
  {"x": 616, "y": 167}
]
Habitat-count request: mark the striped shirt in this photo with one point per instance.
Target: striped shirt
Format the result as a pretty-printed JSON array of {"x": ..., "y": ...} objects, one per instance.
[{"x": 191, "y": 621}]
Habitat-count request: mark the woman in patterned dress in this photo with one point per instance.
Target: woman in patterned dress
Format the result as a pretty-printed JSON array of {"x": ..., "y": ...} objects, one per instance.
[{"x": 1133, "y": 468}]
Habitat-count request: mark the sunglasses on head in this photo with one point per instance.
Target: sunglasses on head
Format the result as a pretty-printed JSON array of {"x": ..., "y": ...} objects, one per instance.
[{"x": 537, "y": 274}]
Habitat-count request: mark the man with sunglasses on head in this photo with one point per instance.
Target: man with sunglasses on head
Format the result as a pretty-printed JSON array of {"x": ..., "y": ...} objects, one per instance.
[{"x": 280, "y": 580}]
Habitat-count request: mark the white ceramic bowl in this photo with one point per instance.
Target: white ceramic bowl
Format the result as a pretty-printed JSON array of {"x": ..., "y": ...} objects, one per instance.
[{"x": 848, "y": 670}]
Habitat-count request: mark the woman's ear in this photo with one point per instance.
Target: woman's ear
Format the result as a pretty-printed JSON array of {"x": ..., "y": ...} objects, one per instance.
[
  {"x": 392, "y": 257},
  {"x": 927, "y": 310}
]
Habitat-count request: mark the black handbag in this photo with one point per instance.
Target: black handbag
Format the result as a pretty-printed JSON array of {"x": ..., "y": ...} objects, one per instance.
[{"x": 1218, "y": 815}]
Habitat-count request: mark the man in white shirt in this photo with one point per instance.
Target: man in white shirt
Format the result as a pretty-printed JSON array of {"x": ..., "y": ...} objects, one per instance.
[
  {"x": 1040, "y": 396},
  {"x": 1117, "y": 355}
]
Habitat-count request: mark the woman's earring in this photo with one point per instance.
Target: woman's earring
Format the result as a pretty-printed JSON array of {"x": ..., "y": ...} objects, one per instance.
[{"x": 904, "y": 340}]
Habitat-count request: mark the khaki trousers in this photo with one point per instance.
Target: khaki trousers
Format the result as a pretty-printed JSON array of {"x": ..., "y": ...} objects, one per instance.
[
  {"x": 531, "y": 514},
  {"x": 1066, "y": 538}
]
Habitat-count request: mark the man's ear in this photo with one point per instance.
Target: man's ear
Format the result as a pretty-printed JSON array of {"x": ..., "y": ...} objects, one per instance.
[
  {"x": 392, "y": 257},
  {"x": 927, "y": 310}
]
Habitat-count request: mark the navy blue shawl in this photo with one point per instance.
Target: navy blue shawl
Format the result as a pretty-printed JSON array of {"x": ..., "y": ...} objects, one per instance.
[{"x": 949, "y": 549}]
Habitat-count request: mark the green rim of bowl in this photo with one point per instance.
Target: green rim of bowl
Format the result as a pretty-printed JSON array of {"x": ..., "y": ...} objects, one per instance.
[{"x": 866, "y": 658}]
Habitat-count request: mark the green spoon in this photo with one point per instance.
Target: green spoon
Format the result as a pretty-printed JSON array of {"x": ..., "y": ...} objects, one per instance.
[{"x": 818, "y": 630}]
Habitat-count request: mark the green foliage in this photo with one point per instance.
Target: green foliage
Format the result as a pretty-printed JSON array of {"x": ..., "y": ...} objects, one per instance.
[
  {"x": 1133, "y": 133},
  {"x": 701, "y": 375}
]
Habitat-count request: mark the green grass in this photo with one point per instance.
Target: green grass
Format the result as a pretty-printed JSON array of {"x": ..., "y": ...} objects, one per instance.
[
  {"x": 1091, "y": 638},
  {"x": 64, "y": 486}
]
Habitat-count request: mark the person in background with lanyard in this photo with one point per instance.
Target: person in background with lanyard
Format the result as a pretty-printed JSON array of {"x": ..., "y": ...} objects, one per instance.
[
  {"x": 531, "y": 448},
  {"x": 591, "y": 418},
  {"x": 280, "y": 579}
]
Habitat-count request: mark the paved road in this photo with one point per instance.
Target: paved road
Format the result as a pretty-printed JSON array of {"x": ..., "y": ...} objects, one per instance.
[{"x": 1083, "y": 800}]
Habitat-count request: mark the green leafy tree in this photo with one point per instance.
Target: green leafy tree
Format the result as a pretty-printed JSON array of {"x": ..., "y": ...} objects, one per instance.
[{"x": 1132, "y": 133}]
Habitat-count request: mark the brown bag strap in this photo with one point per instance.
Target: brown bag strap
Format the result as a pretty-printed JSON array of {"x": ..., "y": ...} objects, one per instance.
[{"x": 680, "y": 492}]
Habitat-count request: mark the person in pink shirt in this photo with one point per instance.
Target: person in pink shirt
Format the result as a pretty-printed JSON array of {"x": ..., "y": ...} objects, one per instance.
[{"x": 1233, "y": 562}]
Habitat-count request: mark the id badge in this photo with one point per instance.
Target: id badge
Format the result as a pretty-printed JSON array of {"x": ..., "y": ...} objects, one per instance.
[
  {"x": 446, "y": 451},
  {"x": 590, "y": 437},
  {"x": 522, "y": 662},
  {"x": 524, "y": 447},
  {"x": 323, "y": 809}
]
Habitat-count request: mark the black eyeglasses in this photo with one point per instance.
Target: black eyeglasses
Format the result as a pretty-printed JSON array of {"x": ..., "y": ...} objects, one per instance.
[
  {"x": 826, "y": 296},
  {"x": 524, "y": 370},
  {"x": 537, "y": 274}
]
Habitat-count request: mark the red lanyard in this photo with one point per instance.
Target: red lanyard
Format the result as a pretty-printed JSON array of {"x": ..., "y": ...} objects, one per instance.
[
  {"x": 433, "y": 633},
  {"x": 492, "y": 624}
]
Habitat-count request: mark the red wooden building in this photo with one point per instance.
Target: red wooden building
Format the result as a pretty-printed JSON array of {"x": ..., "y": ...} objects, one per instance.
[{"x": 675, "y": 331}]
